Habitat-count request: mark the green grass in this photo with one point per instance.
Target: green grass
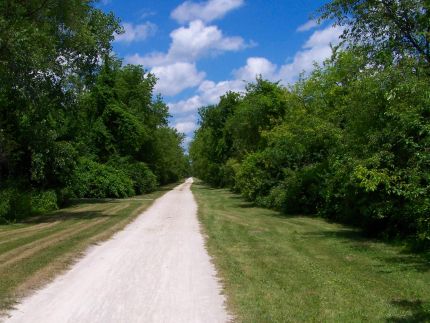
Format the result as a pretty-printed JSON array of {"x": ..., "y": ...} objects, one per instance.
[
  {"x": 34, "y": 252},
  {"x": 302, "y": 269}
]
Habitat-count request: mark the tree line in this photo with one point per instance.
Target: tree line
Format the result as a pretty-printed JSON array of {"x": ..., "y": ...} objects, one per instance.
[
  {"x": 350, "y": 142},
  {"x": 75, "y": 122}
]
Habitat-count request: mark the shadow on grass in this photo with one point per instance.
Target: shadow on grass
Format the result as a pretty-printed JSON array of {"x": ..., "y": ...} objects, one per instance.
[
  {"x": 162, "y": 189},
  {"x": 420, "y": 311},
  {"x": 405, "y": 260},
  {"x": 63, "y": 214},
  {"x": 80, "y": 201},
  {"x": 205, "y": 187},
  {"x": 66, "y": 216}
]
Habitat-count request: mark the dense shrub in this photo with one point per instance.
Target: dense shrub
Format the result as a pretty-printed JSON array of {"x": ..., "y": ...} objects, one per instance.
[
  {"x": 351, "y": 147},
  {"x": 91, "y": 179},
  {"x": 253, "y": 177},
  {"x": 15, "y": 205},
  {"x": 44, "y": 201},
  {"x": 144, "y": 180},
  {"x": 300, "y": 191}
]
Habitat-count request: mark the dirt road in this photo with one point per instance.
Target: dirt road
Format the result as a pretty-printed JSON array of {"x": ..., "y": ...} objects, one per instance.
[{"x": 156, "y": 270}]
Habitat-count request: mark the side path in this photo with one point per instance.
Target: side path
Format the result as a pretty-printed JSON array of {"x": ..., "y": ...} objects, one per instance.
[{"x": 155, "y": 270}]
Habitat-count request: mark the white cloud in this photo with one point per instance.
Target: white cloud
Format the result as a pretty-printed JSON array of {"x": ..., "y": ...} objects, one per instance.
[
  {"x": 186, "y": 143},
  {"x": 186, "y": 124},
  {"x": 254, "y": 67},
  {"x": 191, "y": 43},
  {"x": 311, "y": 24},
  {"x": 176, "y": 69},
  {"x": 185, "y": 127},
  {"x": 197, "y": 40},
  {"x": 136, "y": 32},
  {"x": 304, "y": 62},
  {"x": 153, "y": 59},
  {"x": 188, "y": 105},
  {"x": 206, "y": 11},
  {"x": 324, "y": 37},
  {"x": 147, "y": 13},
  {"x": 208, "y": 93},
  {"x": 174, "y": 78},
  {"x": 314, "y": 51}
]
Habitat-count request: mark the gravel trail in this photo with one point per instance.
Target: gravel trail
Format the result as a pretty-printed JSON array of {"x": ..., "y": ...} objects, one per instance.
[{"x": 155, "y": 270}]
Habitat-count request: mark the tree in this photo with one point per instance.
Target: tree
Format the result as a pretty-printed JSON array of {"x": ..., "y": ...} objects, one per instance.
[
  {"x": 73, "y": 120},
  {"x": 49, "y": 51},
  {"x": 395, "y": 28}
]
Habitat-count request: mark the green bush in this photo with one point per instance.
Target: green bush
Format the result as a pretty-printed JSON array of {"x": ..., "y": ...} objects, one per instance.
[
  {"x": 15, "y": 205},
  {"x": 44, "y": 201},
  {"x": 298, "y": 193},
  {"x": 253, "y": 177},
  {"x": 144, "y": 179},
  {"x": 91, "y": 179}
]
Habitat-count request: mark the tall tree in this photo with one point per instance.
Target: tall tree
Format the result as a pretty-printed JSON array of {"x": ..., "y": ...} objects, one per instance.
[
  {"x": 397, "y": 27},
  {"x": 49, "y": 51}
]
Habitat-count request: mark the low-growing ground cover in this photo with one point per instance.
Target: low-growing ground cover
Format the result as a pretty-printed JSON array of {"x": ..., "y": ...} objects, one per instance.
[{"x": 293, "y": 269}]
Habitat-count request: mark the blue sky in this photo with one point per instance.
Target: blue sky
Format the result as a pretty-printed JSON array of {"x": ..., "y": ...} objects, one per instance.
[{"x": 201, "y": 49}]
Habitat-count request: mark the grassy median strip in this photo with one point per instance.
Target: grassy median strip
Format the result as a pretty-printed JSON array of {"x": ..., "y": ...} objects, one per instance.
[
  {"x": 34, "y": 252},
  {"x": 303, "y": 269}
]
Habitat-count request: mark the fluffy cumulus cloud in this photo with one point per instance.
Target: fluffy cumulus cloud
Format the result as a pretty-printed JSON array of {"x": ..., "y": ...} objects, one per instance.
[
  {"x": 315, "y": 50},
  {"x": 197, "y": 39},
  {"x": 324, "y": 37},
  {"x": 206, "y": 11},
  {"x": 256, "y": 66},
  {"x": 311, "y": 24},
  {"x": 186, "y": 124},
  {"x": 176, "y": 69},
  {"x": 153, "y": 59},
  {"x": 185, "y": 127},
  {"x": 303, "y": 62},
  {"x": 208, "y": 93},
  {"x": 136, "y": 32},
  {"x": 191, "y": 43},
  {"x": 174, "y": 78}
]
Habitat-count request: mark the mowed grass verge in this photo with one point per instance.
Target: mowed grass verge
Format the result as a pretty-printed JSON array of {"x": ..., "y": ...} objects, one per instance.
[
  {"x": 302, "y": 269},
  {"x": 34, "y": 252}
]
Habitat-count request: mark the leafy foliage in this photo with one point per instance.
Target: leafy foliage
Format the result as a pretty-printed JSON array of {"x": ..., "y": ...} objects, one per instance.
[
  {"x": 144, "y": 180},
  {"x": 92, "y": 179},
  {"x": 351, "y": 142},
  {"x": 73, "y": 120}
]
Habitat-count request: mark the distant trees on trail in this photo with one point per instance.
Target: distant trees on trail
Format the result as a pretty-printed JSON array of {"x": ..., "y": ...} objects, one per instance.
[
  {"x": 350, "y": 142},
  {"x": 74, "y": 122}
]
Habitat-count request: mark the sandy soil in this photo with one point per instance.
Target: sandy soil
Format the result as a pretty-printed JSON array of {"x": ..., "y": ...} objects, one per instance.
[{"x": 155, "y": 270}]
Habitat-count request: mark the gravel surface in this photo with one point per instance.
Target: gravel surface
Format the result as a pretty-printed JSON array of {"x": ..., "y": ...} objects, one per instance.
[{"x": 155, "y": 270}]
